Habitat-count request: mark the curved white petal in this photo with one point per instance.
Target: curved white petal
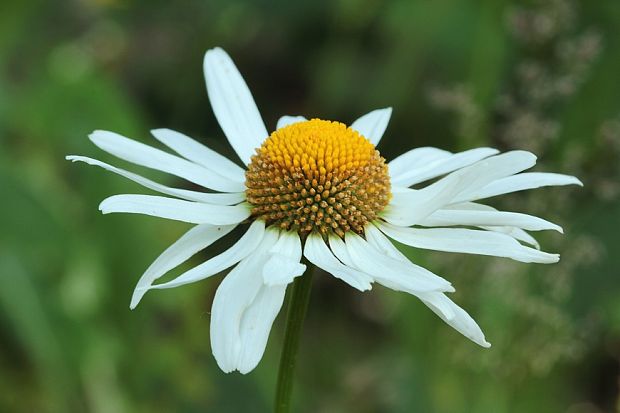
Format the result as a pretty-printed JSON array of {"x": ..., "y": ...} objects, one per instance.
[
  {"x": 519, "y": 182},
  {"x": 410, "y": 206},
  {"x": 381, "y": 243},
  {"x": 461, "y": 321},
  {"x": 233, "y": 296},
  {"x": 445, "y": 308},
  {"x": 387, "y": 280},
  {"x": 250, "y": 241},
  {"x": 438, "y": 299},
  {"x": 194, "y": 240},
  {"x": 455, "y": 216},
  {"x": 415, "y": 159},
  {"x": 516, "y": 233},
  {"x": 375, "y": 237},
  {"x": 440, "y": 165},
  {"x": 289, "y": 120},
  {"x": 199, "y": 153},
  {"x": 283, "y": 264},
  {"x": 397, "y": 273},
  {"x": 467, "y": 241},
  {"x": 492, "y": 168},
  {"x": 256, "y": 324},
  {"x": 339, "y": 249},
  {"x": 318, "y": 253},
  {"x": 439, "y": 303},
  {"x": 176, "y": 209},
  {"x": 144, "y": 155},
  {"x": 243, "y": 303},
  {"x": 217, "y": 198},
  {"x": 373, "y": 124},
  {"x": 233, "y": 104}
]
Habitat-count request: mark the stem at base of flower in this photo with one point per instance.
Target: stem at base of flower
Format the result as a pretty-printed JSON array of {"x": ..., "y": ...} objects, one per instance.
[{"x": 297, "y": 306}]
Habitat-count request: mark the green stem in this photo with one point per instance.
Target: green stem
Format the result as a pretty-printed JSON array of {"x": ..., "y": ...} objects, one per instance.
[{"x": 297, "y": 306}]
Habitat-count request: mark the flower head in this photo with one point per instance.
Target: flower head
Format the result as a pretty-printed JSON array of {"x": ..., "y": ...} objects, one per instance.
[
  {"x": 322, "y": 190},
  {"x": 317, "y": 176}
]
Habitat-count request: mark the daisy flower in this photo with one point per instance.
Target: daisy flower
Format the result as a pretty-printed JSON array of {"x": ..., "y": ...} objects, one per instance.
[{"x": 321, "y": 190}]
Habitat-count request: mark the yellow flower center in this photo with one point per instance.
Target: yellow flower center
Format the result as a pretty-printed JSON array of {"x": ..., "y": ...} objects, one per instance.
[{"x": 317, "y": 175}]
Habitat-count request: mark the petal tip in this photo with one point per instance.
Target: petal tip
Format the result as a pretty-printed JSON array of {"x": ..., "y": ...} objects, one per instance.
[
  {"x": 135, "y": 300},
  {"x": 551, "y": 259},
  {"x": 104, "y": 206},
  {"x": 213, "y": 52},
  {"x": 245, "y": 370},
  {"x": 366, "y": 287},
  {"x": 97, "y": 133},
  {"x": 137, "y": 297},
  {"x": 158, "y": 131}
]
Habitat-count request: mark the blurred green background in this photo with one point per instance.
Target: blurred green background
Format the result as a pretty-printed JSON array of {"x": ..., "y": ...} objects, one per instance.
[{"x": 536, "y": 75}]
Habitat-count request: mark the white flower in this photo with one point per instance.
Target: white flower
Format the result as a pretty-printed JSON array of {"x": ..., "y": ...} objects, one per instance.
[{"x": 319, "y": 187}]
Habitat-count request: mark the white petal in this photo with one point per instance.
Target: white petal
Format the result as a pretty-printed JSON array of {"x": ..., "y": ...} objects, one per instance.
[
  {"x": 250, "y": 241},
  {"x": 372, "y": 125},
  {"x": 230, "y": 320},
  {"x": 144, "y": 155},
  {"x": 495, "y": 167},
  {"x": 233, "y": 296},
  {"x": 436, "y": 301},
  {"x": 385, "y": 279},
  {"x": 516, "y": 233},
  {"x": 340, "y": 250},
  {"x": 233, "y": 104},
  {"x": 283, "y": 265},
  {"x": 196, "y": 239},
  {"x": 170, "y": 208},
  {"x": 438, "y": 166},
  {"x": 317, "y": 252},
  {"x": 454, "y": 216},
  {"x": 461, "y": 321},
  {"x": 256, "y": 325},
  {"x": 520, "y": 182},
  {"x": 395, "y": 273},
  {"x": 467, "y": 241},
  {"x": 200, "y": 154},
  {"x": 289, "y": 120},
  {"x": 415, "y": 159},
  {"x": 376, "y": 238},
  {"x": 409, "y": 206},
  {"x": 218, "y": 199}
]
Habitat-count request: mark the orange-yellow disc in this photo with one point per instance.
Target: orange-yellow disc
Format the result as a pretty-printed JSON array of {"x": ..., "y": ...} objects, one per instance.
[{"x": 317, "y": 175}]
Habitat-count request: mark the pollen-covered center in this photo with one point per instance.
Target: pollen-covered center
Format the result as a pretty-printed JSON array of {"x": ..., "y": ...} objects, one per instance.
[{"x": 317, "y": 175}]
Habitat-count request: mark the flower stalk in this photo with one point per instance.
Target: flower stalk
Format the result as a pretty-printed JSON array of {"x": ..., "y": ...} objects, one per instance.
[{"x": 297, "y": 307}]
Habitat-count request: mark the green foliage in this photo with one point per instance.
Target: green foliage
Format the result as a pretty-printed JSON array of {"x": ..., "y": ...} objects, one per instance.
[{"x": 540, "y": 75}]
